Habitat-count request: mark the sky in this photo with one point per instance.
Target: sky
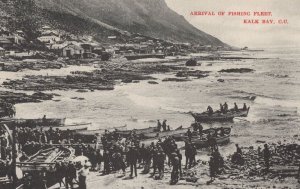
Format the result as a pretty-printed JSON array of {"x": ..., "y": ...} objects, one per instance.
[{"x": 232, "y": 30}]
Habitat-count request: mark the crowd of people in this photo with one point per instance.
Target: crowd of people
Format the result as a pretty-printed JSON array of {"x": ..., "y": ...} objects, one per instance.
[
  {"x": 120, "y": 153},
  {"x": 7, "y": 109}
]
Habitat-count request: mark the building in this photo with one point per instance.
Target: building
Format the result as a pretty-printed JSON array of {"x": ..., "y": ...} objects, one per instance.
[
  {"x": 2, "y": 52},
  {"x": 16, "y": 39},
  {"x": 50, "y": 39},
  {"x": 73, "y": 50},
  {"x": 5, "y": 43}
]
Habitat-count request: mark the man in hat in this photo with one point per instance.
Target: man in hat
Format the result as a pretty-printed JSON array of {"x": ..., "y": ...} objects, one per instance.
[
  {"x": 158, "y": 125},
  {"x": 164, "y": 125},
  {"x": 175, "y": 170},
  {"x": 132, "y": 156},
  {"x": 83, "y": 173},
  {"x": 267, "y": 156},
  {"x": 70, "y": 174}
]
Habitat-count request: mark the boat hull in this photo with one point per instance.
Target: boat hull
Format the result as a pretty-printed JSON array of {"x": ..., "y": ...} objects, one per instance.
[
  {"x": 174, "y": 133},
  {"x": 36, "y": 122},
  {"x": 218, "y": 116},
  {"x": 75, "y": 127},
  {"x": 45, "y": 159},
  {"x": 203, "y": 143},
  {"x": 126, "y": 133}
]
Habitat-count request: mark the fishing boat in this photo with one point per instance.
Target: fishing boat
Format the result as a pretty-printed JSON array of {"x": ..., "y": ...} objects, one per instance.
[
  {"x": 143, "y": 56},
  {"x": 125, "y": 133},
  {"x": 100, "y": 131},
  {"x": 37, "y": 122},
  {"x": 174, "y": 133},
  {"x": 219, "y": 116},
  {"x": 45, "y": 159},
  {"x": 73, "y": 127},
  {"x": 201, "y": 142}
]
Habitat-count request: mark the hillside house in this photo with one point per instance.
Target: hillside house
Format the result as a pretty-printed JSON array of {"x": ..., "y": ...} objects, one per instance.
[
  {"x": 5, "y": 43},
  {"x": 16, "y": 39},
  {"x": 50, "y": 39},
  {"x": 2, "y": 52},
  {"x": 73, "y": 51}
]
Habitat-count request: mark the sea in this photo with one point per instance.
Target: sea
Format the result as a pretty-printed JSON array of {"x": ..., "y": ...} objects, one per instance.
[{"x": 272, "y": 91}]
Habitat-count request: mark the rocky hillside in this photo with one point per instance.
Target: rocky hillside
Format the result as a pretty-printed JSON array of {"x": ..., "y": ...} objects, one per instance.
[{"x": 104, "y": 17}]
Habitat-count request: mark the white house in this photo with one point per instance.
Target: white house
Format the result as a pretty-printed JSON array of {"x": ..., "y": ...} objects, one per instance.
[{"x": 51, "y": 39}]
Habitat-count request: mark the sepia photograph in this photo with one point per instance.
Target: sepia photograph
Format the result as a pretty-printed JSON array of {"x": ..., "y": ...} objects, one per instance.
[{"x": 149, "y": 94}]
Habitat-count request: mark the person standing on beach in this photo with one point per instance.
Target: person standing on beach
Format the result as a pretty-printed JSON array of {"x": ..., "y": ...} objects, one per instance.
[
  {"x": 164, "y": 125},
  {"x": 267, "y": 156},
  {"x": 82, "y": 174},
  {"x": 212, "y": 169},
  {"x": 225, "y": 106},
  {"x": 158, "y": 125},
  {"x": 70, "y": 175},
  {"x": 106, "y": 161},
  {"x": 132, "y": 157},
  {"x": 161, "y": 156}
]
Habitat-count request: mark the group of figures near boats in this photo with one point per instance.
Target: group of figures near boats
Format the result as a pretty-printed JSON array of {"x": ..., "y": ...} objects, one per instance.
[
  {"x": 7, "y": 110},
  {"x": 122, "y": 148}
]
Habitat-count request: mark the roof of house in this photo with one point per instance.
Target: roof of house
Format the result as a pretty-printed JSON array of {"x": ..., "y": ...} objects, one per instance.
[
  {"x": 75, "y": 46},
  {"x": 4, "y": 40}
]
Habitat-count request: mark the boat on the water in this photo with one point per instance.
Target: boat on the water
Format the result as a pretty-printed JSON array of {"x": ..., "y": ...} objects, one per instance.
[
  {"x": 219, "y": 116},
  {"x": 143, "y": 56},
  {"x": 45, "y": 159}
]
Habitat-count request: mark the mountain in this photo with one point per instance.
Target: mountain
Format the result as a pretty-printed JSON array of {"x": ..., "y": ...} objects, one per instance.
[
  {"x": 105, "y": 17},
  {"x": 148, "y": 17}
]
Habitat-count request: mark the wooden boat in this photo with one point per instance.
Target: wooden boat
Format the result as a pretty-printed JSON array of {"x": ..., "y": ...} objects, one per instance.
[
  {"x": 218, "y": 116},
  {"x": 176, "y": 132},
  {"x": 142, "y": 56},
  {"x": 74, "y": 127},
  {"x": 201, "y": 143},
  {"x": 38, "y": 122},
  {"x": 99, "y": 131},
  {"x": 46, "y": 158},
  {"x": 126, "y": 133}
]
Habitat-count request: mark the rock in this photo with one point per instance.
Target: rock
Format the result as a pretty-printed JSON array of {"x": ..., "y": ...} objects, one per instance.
[
  {"x": 191, "y": 62},
  {"x": 196, "y": 73},
  {"x": 152, "y": 82},
  {"x": 237, "y": 70},
  {"x": 175, "y": 79},
  {"x": 82, "y": 91}
]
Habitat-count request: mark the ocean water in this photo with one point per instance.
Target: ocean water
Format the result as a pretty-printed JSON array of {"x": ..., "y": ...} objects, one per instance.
[{"x": 274, "y": 114}]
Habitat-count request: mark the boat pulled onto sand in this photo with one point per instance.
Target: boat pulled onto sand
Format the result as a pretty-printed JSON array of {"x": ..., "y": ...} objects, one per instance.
[
  {"x": 221, "y": 136},
  {"x": 45, "y": 159}
]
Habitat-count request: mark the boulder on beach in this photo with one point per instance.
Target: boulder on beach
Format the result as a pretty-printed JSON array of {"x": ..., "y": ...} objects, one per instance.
[
  {"x": 153, "y": 82},
  {"x": 175, "y": 79},
  {"x": 237, "y": 70},
  {"x": 191, "y": 62},
  {"x": 82, "y": 91}
]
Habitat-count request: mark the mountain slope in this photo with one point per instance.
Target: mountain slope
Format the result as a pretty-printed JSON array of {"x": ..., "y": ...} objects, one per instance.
[{"x": 149, "y": 17}]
